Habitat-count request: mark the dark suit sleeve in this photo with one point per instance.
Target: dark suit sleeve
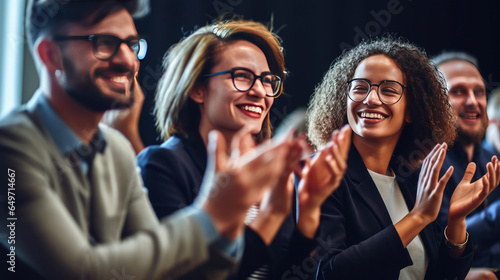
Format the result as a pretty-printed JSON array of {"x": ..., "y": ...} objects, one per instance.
[
  {"x": 448, "y": 267},
  {"x": 295, "y": 251},
  {"x": 255, "y": 255},
  {"x": 288, "y": 248},
  {"x": 173, "y": 180},
  {"x": 166, "y": 180},
  {"x": 380, "y": 256}
]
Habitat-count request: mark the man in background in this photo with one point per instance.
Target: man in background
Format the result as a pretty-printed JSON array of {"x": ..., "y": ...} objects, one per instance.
[{"x": 467, "y": 93}]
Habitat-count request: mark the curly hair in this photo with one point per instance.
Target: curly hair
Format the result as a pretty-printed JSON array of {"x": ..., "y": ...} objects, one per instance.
[
  {"x": 430, "y": 111},
  {"x": 187, "y": 61}
]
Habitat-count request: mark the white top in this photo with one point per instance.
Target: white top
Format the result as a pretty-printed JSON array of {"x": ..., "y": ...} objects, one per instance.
[{"x": 397, "y": 208}]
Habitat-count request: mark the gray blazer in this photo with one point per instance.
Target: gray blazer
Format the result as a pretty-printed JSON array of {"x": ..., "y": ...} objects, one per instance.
[{"x": 70, "y": 227}]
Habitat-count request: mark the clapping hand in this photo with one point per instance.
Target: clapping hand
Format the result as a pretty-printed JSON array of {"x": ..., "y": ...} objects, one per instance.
[
  {"x": 469, "y": 195},
  {"x": 321, "y": 176},
  {"x": 234, "y": 181},
  {"x": 430, "y": 187}
]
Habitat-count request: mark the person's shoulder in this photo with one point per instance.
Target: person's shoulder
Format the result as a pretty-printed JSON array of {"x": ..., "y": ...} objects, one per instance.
[
  {"x": 23, "y": 143},
  {"x": 112, "y": 135},
  {"x": 484, "y": 153},
  {"x": 174, "y": 143},
  {"x": 173, "y": 146},
  {"x": 488, "y": 146},
  {"x": 170, "y": 150},
  {"x": 117, "y": 142},
  {"x": 16, "y": 118},
  {"x": 17, "y": 128}
]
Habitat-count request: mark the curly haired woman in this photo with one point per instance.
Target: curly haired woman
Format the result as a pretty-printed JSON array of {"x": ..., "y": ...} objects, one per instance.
[{"x": 379, "y": 223}]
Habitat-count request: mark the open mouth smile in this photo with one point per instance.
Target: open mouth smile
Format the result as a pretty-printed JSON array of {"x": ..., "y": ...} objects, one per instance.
[
  {"x": 253, "y": 109},
  {"x": 366, "y": 115},
  {"x": 119, "y": 79},
  {"x": 470, "y": 116}
]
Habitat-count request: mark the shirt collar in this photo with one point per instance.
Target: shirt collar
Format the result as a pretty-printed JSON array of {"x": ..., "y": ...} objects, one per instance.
[
  {"x": 459, "y": 151},
  {"x": 64, "y": 138}
]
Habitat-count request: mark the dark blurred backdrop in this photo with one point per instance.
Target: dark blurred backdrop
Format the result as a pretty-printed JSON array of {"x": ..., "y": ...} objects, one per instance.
[{"x": 314, "y": 33}]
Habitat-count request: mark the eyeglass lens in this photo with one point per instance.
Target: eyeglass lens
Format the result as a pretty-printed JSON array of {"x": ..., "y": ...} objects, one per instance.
[
  {"x": 388, "y": 92},
  {"x": 244, "y": 80},
  {"x": 106, "y": 46}
]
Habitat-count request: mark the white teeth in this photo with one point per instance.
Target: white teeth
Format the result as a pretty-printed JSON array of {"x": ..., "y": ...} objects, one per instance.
[
  {"x": 120, "y": 79},
  {"x": 371, "y": 115},
  {"x": 252, "y": 109},
  {"x": 470, "y": 116}
]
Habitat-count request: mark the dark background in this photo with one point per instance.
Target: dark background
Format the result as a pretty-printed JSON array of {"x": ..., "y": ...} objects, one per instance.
[{"x": 314, "y": 33}]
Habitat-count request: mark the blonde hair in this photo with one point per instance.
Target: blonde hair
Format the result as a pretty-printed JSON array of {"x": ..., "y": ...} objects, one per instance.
[{"x": 187, "y": 61}]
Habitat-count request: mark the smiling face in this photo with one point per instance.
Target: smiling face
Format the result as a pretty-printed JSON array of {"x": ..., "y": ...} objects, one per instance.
[
  {"x": 370, "y": 119},
  {"x": 467, "y": 94},
  {"x": 222, "y": 106},
  {"x": 99, "y": 85}
]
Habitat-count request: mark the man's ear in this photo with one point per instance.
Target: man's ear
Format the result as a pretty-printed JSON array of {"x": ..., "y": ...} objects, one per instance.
[
  {"x": 197, "y": 93},
  {"x": 50, "y": 54}
]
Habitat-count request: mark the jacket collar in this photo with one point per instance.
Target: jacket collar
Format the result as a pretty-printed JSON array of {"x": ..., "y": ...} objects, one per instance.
[
  {"x": 63, "y": 137},
  {"x": 196, "y": 150},
  {"x": 366, "y": 189}
]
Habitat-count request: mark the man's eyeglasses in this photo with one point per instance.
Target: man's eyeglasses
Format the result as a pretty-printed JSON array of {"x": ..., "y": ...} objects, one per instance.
[
  {"x": 389, "y": 92},
  {"x": 106, "y": 46},
  {"x": 244, "y": 79}
]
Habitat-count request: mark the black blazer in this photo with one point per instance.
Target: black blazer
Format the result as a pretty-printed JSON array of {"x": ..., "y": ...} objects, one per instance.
[
  {"x": 361, "y": 238},
  {"x": 173, "y": 173}
]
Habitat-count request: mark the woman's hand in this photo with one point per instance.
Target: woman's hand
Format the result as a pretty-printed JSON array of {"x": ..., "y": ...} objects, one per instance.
[
  {"x": 467, "y": 196},
  {"x": 320, "y": 178},
  {"x": 277, "y": 202},
  {"x": 429, "y": 196},
  {"x": 430, "y": 187},
  {"x": 232, "y": 184}
]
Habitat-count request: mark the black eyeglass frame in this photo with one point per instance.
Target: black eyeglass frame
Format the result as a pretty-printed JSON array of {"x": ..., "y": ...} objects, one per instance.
[
  {"x": 94, "y": 37},
  {"x": 275, "y": 94},
  {"x": 378, "y": 90}
]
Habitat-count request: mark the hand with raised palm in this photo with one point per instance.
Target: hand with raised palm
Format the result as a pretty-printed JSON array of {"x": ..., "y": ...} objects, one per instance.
[
  {"x": 430, "y": 186},
  {"x": 429, "y": 196},
  {"x": 233, "y": 183},
  {"x": 276, "y": 204},
  {"x": 321, "y": 176},
  {"x": 469, "y": 195},
  {"x": 466, "y": 197}
]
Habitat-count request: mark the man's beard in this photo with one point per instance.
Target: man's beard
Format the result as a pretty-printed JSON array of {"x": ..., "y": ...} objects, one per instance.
[
  {"x": 94, "y": 100},
  {"x": 85, "y": 92},
  {"x": 472, "y": 137}
]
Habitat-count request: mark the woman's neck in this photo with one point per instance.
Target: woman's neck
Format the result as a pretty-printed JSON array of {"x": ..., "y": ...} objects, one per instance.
[{"x": 376, "y": 154}]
